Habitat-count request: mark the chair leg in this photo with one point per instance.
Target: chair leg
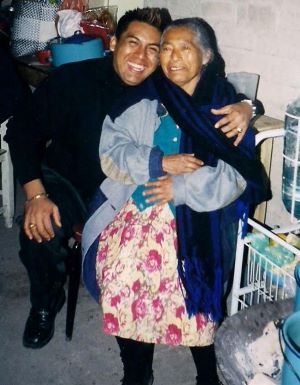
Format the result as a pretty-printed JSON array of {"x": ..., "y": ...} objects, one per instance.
[{"x": 74, "y": 272}]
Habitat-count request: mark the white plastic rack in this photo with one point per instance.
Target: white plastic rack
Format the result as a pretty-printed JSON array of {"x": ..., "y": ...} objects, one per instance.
[{"x": 258, "y": 279}]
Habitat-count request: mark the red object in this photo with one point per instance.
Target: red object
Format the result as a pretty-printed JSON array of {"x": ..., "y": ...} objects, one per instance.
[
  {"x": 44, "y": 56},
  {"x": 96, "y": 30}
]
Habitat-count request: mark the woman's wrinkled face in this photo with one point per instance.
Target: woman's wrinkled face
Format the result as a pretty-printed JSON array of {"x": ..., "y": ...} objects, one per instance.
[{"x": 181, "y": 58}]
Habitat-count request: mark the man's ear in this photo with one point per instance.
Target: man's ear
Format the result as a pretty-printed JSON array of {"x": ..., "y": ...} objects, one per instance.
[{"x": 113, "y": 43}]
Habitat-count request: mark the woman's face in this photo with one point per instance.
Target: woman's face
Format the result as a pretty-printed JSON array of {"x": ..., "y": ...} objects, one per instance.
[{"x": 181, "y": 58}]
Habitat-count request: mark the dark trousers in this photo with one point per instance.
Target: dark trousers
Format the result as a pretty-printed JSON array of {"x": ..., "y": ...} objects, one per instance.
[
  {"x": 45, "y": 262},
  {"x": 137, "y": 358}
]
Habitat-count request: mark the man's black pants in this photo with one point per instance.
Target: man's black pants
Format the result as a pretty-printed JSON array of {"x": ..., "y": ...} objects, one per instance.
[{"x": 45, "y": 262}]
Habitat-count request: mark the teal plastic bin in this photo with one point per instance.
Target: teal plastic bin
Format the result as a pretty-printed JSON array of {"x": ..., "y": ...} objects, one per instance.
[
  {"x": 75, "y": 48},
  {"x": 291, "y": 336}
]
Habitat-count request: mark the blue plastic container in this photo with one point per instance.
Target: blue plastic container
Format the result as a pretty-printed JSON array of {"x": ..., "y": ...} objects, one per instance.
[
  {"x": 75, "y": 48},
  {"x": 297, "y": 296},
  {"x": 291, "y": 336},
  {"x": 291, "y": 159}
]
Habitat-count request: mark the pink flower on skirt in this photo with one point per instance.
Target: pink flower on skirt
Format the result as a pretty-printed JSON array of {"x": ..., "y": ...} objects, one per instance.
[
  {"x": 158, "y": 309},
  {"x": 115, "y": 300},
  {"x": 180, "y": 311},
  {"x": 153, "y": 262},
  {"x": 201, "y": 321},
  {"x": 103, "y": 235},
  {"x": 145, "y": 229},
  {"x": 128, "y": 216},
  {"x": 136, "y": 286},
  {"x": 159, "y": 238},
  {"x": 138, "y": 309},
  {"x": 110, "y": 324},
  {"x": 175, "y": 244},
  {"x": 127, "y": 234},
  {"x": 114, "y": 231},
  {"x": 165, "y": 285},
  {"x": 107, "y": 274},
  {"x": 102, "y": 253},
  {"x": 174, "y": 335},
  {"x": 153, "y": 213},
  {"x": 173, "y": 224},
  {"x": 125, "y": 292}
]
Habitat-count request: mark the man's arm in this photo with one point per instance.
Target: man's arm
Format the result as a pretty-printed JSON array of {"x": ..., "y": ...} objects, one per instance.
[
  {"x": 28, "y": 132},
  {"x": 237, "y": 118}
]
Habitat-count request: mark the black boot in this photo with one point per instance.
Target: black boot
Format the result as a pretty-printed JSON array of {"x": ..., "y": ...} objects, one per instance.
[{"x": 39, "y": 328}]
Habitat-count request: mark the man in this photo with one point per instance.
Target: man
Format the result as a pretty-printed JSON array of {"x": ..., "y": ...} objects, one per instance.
[{"x": 54, "y": 145}]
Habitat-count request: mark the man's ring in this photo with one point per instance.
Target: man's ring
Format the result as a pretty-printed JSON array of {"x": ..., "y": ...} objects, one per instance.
[
  {"x": 32, "y": 225},
  {"x": 239, "y": 130}
]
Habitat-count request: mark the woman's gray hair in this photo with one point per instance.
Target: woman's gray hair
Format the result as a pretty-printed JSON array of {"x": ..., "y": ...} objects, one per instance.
[{"x": 205, "y": 38}]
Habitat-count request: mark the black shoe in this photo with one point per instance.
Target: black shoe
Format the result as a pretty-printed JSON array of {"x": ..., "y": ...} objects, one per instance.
[{"x": 39, "y": 328}]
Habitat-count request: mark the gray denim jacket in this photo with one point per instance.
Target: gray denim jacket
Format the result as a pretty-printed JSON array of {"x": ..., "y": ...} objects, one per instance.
[{"x": 129, "y": 159}]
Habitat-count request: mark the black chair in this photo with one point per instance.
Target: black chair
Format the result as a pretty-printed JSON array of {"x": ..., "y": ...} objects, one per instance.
[{"x": 74, "y": 274}]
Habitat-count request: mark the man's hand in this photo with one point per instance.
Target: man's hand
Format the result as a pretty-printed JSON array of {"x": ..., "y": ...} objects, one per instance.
[
  {"x": 180, "y": 164},
  {"x": 39, "y": 212},
  {"x": 160, "y": 191},
  {"x": 38, "y": 215},
  {"x": 236, "y": 120}
]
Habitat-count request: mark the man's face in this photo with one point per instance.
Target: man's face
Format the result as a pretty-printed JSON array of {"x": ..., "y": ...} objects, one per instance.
[{"x": 136, "y": 53}]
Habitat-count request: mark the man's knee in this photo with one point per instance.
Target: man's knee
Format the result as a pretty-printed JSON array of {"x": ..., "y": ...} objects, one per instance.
[{"x": 56, "y": 249}]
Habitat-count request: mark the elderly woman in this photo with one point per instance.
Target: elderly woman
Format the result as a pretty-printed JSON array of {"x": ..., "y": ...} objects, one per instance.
[{"x": 154, "y": 247}]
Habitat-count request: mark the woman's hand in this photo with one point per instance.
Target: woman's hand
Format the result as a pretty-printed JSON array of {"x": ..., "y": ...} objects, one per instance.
[
  {"x": 38, "y": 219},
  {"x": 180, "y": 164},
  {"x": 160, "y": 191},
  {"x": 236, "y": 120}
]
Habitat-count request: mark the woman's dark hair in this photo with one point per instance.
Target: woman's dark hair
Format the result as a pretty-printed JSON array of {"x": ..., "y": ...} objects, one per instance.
[
  {"x": 156, "y": 17},
  {"x": 205, "y": 38}
]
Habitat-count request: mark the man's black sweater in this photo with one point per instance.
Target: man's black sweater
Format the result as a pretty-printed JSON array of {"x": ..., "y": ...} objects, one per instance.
[{"x": 60, "y": 125}]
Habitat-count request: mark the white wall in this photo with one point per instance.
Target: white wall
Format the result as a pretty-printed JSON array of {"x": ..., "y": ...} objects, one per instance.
[{"x": 255, "y": 36}]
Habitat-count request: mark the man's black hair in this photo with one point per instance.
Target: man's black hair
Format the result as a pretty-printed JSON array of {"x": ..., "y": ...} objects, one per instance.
[{"x": 158, "y": 18}]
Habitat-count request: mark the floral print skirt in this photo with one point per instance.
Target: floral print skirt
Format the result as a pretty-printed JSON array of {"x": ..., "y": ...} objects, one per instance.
[{"x": 141, "y": 295}]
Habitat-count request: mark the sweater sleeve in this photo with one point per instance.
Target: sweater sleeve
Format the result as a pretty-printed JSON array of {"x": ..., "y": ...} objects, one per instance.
[
  {"x": 208, "y": 188},
  {"x": 126, "y": 148}
]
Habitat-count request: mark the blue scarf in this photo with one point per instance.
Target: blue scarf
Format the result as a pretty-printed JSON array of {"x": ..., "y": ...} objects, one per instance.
[{"x": 199, "y": 234}]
